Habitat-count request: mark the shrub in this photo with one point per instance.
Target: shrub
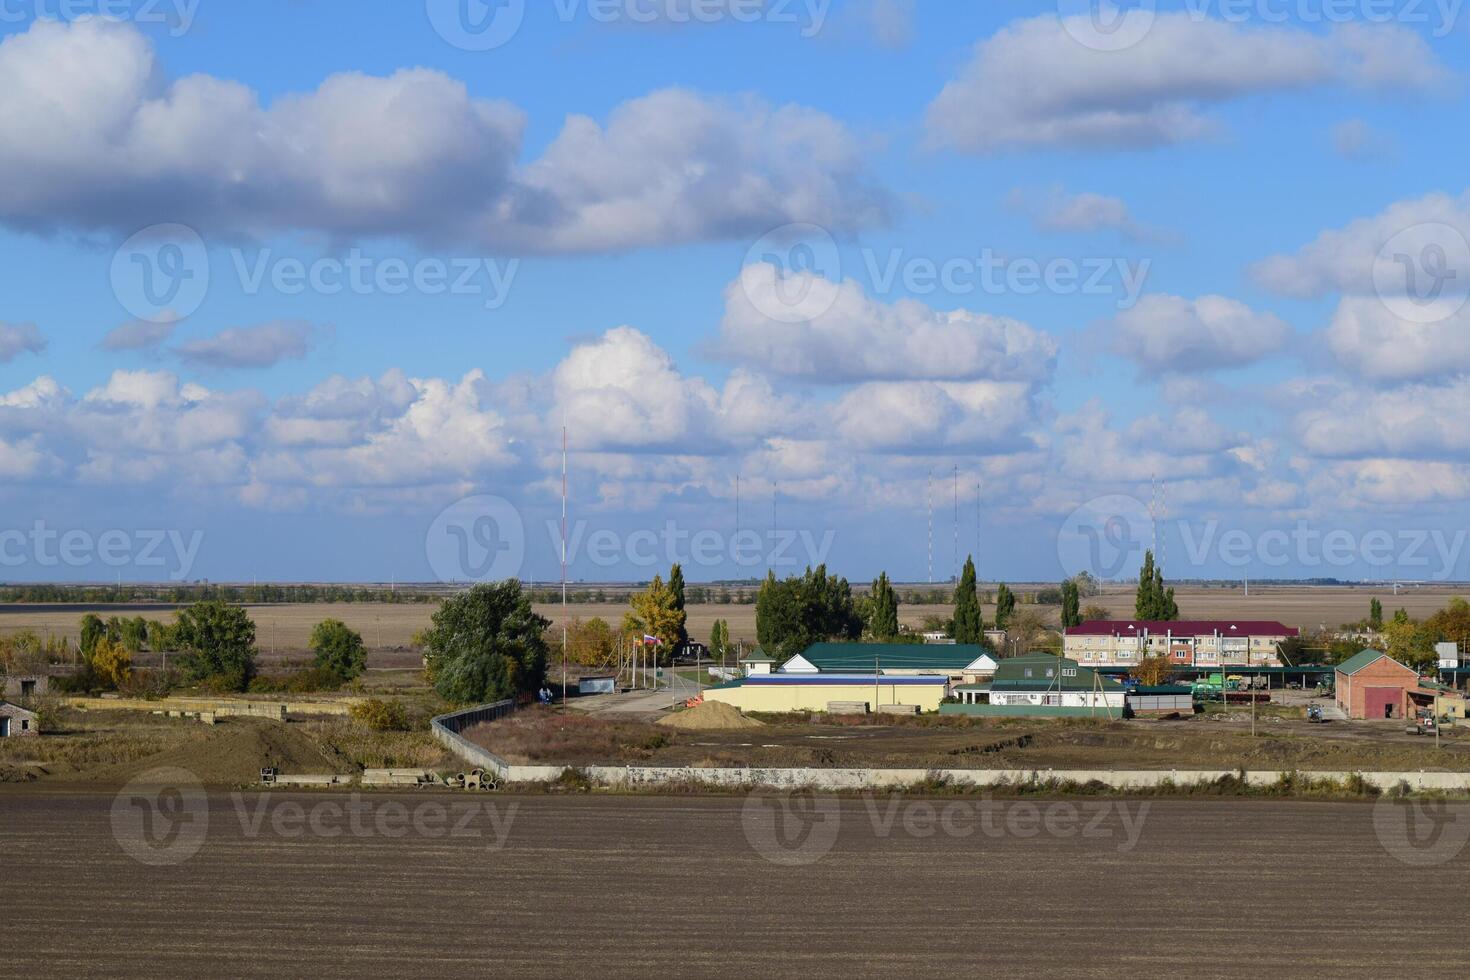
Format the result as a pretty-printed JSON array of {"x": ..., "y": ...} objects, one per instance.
[
  {"x": 381, "y": 716},
  {"x": 149, "y": 683},
  {"x": 338, "y": 649}
]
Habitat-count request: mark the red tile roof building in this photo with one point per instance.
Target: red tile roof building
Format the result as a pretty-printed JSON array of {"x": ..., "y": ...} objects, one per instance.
[{"x": 1188, "y": 643}]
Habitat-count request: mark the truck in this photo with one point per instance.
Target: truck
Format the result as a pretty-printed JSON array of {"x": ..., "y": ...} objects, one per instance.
[
  {"x": 1212, "y": 684},
  {"x": 1423, "y": 723}
]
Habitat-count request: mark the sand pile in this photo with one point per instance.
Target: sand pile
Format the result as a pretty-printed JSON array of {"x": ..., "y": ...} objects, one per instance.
[{"x": 709, "y": 716}]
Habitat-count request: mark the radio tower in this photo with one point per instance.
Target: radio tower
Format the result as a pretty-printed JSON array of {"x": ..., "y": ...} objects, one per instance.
[
  {"x": 563, "y": 562},
  {"x": 931, "y": 527}
]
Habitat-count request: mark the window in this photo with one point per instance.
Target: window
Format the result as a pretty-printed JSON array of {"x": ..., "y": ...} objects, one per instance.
[
  {"x": 25, "y": 724},
  {"x": 1069, "y": 671}
]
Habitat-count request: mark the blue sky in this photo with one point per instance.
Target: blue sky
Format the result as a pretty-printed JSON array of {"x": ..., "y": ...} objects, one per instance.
[{"x": 1253, "y": 322}]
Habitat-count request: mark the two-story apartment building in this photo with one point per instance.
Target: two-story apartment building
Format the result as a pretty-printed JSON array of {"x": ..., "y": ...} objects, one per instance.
[{"x": 1188, "y": 643}]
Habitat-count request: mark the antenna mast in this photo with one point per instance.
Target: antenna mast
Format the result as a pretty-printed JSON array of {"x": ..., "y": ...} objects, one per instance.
[
  {"x": 564, "y": 622},
  {"x": 931, "y": 527}
]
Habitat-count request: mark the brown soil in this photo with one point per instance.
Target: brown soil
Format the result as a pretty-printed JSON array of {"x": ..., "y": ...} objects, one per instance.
[{"x": 709, "y": 716}]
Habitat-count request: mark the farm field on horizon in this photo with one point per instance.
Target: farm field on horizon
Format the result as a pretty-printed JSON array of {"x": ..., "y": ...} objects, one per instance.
[{"x": 283, "y": 629}]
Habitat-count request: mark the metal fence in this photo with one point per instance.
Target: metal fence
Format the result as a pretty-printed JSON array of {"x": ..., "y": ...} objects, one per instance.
[{"x": 447, "y": 728}]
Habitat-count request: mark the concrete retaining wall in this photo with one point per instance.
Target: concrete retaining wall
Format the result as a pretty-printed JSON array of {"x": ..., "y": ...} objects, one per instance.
[
  {"x": 220, "y": 706},
  {"x": 635, "y": 777}
]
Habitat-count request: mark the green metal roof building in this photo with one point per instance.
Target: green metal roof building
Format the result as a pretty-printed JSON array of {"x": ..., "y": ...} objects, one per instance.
[{"x": 954, "y": 659}]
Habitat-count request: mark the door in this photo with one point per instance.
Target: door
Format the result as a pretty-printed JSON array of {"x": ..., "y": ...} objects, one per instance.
[
  {"x": 27, "y": 689},
  {"x": 4, "y": 727},
  {"x": 1381, "y": 702}
]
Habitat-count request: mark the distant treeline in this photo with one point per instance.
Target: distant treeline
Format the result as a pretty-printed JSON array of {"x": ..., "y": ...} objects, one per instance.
[{"x": 184, "y": 594}]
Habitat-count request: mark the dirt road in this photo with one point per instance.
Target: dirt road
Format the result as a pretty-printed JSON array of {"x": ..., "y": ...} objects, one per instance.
[{"x": 287, "y": 885}]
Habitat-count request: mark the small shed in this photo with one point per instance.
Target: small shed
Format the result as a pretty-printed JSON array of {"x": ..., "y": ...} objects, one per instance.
[
  {"x": 1374, "y": 685},
  {"x": 757, "y": 663},
  {"x": 597, "y": 685},
  {"x": 16, "y": 721},
  {"x": 23, "y": 687},
  {"x": 1161, "y": 701}
]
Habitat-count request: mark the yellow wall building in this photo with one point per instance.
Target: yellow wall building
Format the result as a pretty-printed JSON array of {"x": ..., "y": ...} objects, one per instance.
[{"x": 791, "y": 692}]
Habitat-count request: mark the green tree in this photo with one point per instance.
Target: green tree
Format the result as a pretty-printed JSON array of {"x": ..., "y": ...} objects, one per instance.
[
  {"x": 883, "y": 603},
  {"x": 1153, "y": 601},
  {"x": 1375, "y": 614},
  {"x": 1005, "y": 606},
  {"x": 1071, "y": 604},
  {"x": 338, "y": 648},
  {"x": 1096, "y": 613},
  {"x": 969, "y": 624},
  {"x": 719, "y": 639},
  {"x": 486, "y": 644},
  {"x": 676, "y": 586},
  {"x": 93, "y": 629},
  {"x": 793, "y": 614},
  {"x": 218, "y": 641},
  {"x": 655, "y": 613}
]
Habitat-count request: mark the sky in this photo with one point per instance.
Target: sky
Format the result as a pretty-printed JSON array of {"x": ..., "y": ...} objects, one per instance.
[{"x": 300, "y": 290}]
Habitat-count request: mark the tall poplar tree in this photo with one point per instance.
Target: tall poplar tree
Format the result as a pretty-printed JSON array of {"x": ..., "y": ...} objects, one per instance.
[{"x": 969, "y": 624}]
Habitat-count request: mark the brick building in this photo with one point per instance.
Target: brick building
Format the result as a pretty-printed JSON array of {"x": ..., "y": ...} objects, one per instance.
[
  {"x": 1374, "y": 685},
  {"x": 16, "y": 721},
  {"x": 1188, "y": 643}
]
